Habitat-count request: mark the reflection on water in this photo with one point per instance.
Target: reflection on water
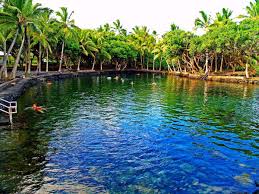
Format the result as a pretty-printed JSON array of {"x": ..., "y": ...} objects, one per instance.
[{"x": 111, "y": 136}]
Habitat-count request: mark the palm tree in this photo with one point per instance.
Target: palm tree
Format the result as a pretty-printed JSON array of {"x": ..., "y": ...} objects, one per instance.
[
  {"x": 150, "y": 44},
  {"x": 7, "y": 22},
  {"x": 66, "y": 25},
  {"x": 22, "y": 14},
  {"x": 223, "y": 17},
  {"x": 107, "y": 27},
  {"x": 10, "y": 20},
  {"x": 253, "y": 9},
  {"x": 158, "y": 54},
  {"x": 103, "y": 57},
  {"x": 87, "y": 46},
  {"x": 43, "y": 37},
  {"x": 174, "y": 27},
  {"x": 99, "y": 41},
  {"x": 140, "y": 37},
  {"x": 117, "y": 27},
  {"x": 5, "y": 35},
  {"x": 203, "y": 22}
]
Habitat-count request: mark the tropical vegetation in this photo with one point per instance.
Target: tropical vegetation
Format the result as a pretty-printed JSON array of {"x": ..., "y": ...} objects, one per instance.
[{"x": 33, "y": 37}]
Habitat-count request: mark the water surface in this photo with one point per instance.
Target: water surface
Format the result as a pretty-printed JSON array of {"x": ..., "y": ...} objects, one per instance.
[{"x": 112, "y": 136}]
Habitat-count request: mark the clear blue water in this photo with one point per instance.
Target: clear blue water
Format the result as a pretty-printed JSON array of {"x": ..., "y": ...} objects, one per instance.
[{"x": 109, "y": 136}]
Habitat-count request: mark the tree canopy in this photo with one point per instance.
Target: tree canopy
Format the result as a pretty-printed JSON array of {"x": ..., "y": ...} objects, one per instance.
[{"x": 33, "y": 36}]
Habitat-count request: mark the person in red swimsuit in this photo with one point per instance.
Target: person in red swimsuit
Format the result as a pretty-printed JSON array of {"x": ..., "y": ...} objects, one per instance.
[{"x": 38, "y": 108}]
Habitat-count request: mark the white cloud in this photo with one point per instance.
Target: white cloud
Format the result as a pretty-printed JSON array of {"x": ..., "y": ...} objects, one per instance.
[{"x": 156, "y": 14}]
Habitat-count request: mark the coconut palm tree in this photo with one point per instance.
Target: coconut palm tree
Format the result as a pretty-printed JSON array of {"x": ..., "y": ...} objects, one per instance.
[
  {"x": 141, "y": 36},
  {"x": 43, "y": 37},
  {"x": 204, "y": 22},
  {"x": 104, "y": 56},
  {"x": 87, "y": 46},
  {"x": 5, "y": 35},
  {"x": 223, "y": 17},
  {"x": 253, "y": 9},
  {"x": 8, "y": 22},
  {"x": 66, "y": 26},
  {"x": 22, "y": 14},
  {"x": 174, "y": 27},
  {"x": 158, "y": 54},
  {"x": 117, "y": 27},
  {"x": 107, "y": 27}
]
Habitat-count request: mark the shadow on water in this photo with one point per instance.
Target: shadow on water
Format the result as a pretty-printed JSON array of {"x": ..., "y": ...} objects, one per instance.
[{"x": 142, "y": 133}]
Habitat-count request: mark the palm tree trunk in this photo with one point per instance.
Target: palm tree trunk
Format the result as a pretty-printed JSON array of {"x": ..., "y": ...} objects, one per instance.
[
  {"x": 143, "y": 61},
  {"x": 221, "y": 65},
  {"x": 247, "y": 68},
  {"x": 216, "y": 63},
  {"x": 180, "y": 69},
  {"x": 13, "y": 73},
  {"x": 28, "y": 52},
  {"x": 47, "y": 58},
  {"x": 3, "y": 68},
  {"x": 147, "y": 62},
  {"x": 101, "y": 66},
  {"x": 160, "y": 65},
  {"x": 5, "y": 59},
  {"x": 12, "y": 45},
  {"x": 93, "y": 64},
  {"x": 207, "y": 63},
  {"x": 39, "y": 60},
  {"x": 61, "y": 57},
  {"x": 78, "y": 65},
  {"x": 154, "y": 64}
]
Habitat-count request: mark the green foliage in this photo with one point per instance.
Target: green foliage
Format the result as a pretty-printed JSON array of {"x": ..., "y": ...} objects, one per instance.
[{"x": 225, "y": 45}]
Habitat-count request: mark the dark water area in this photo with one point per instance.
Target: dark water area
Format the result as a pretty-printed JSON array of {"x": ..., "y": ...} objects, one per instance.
[{"x": 111, "y": 136}]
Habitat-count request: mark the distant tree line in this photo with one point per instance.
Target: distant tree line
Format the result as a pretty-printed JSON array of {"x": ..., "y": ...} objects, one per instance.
[{"x": 31, "y": 33}]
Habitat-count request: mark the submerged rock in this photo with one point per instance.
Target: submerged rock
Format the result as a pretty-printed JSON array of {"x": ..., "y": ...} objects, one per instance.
[
  {"x": 187, "y": 167},
  {"x": 195, "y": 182},
  {"x": 244, "y": 179}
]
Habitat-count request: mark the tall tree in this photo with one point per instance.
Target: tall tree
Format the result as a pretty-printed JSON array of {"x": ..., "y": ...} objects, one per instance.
[
  {"x": 253, "y": 9},
  {"x": 66, "y": 25},
  {"x": 86, "y": 46},
  {"x": 5, "y": 35},
  {"x": 22, "y": 13},
  {"x": 43, "y": 37},
  {"x": 204, "y": 22},
  {"x": 117, "y": 27}
]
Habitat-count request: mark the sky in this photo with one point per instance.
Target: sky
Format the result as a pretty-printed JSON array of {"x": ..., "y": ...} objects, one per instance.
[{"x": 155, "y": 14}]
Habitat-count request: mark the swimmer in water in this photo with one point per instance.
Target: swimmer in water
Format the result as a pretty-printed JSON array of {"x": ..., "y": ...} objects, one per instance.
[{"x": 36, "y": 108}]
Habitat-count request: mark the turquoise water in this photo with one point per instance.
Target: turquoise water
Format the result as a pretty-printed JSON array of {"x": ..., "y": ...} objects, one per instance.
[{"x": 112, "y": 136}]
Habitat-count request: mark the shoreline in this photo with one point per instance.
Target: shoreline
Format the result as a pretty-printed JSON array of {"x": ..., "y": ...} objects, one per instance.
[
  {"x": 215, "y": 78},
  {"x": 12, "y": 90}
]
